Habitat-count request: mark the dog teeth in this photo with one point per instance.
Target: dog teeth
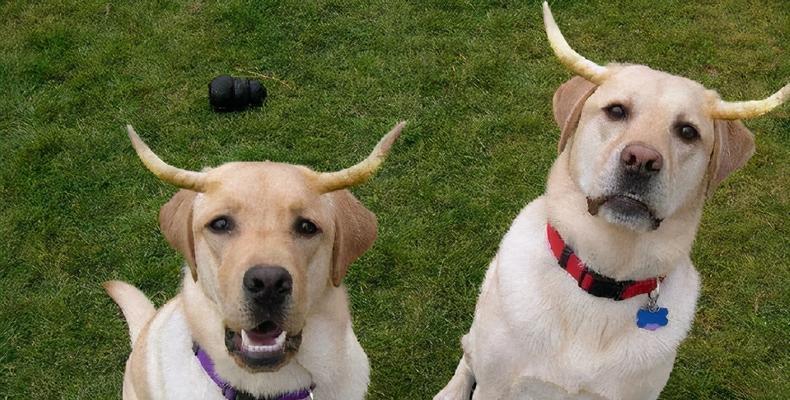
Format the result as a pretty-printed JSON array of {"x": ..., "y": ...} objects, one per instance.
[
  {"x": 248, "y": 345},
  {"x": 633, "y": 196}
]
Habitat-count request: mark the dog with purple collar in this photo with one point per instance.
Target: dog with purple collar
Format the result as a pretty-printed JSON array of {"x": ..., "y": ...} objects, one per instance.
[
  {"x": 592, "y": 288},
  {"x": 262, "y": 312}
]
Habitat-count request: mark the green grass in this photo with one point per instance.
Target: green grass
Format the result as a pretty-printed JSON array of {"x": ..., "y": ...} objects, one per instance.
[{"x": 475, "y": 81}]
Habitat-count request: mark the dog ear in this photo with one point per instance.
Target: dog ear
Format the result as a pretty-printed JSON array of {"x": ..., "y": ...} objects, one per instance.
[
  {"x": 567, "y": 105},
  {"x": 355, "y": 232},
  {"x": 175, "y": 222},
  {"x": 733, "y": 146}
]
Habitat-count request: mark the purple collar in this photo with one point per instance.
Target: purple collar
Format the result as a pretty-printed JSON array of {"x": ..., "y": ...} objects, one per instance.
[{"x": 230, "y": 392}]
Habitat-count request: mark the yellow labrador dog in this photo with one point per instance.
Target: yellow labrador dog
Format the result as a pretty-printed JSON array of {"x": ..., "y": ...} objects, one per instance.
[
  {"x": 592, "y": 289},
  {"x": 262, "y": 313}
]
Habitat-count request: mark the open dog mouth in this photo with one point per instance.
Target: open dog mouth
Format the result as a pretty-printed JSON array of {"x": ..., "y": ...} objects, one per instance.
[
  {"x": 626, "y": 205},
  {"x": 265, "y": 347}
]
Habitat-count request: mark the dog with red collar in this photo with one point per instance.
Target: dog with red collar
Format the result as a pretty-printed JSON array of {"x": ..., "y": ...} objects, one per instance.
[{"x": 592, "y": 288}]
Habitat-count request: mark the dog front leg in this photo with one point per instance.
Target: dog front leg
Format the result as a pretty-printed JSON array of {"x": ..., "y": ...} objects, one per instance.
[{"x": 461, "y": 385}]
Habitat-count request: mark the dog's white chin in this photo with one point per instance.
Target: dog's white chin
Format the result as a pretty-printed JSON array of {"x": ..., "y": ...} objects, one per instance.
[
  {"x": 635, "y": 224},
  {"x": 254, "y": 347}
]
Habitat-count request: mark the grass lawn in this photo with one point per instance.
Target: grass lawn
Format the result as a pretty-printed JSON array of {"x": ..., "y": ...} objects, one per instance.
[{"x": 474, "y": 79}]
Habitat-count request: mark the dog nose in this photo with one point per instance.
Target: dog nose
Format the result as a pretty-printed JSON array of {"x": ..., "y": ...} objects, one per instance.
[
  {"x": 267, "y": 284},
  {"x": 642, "y": 159}
]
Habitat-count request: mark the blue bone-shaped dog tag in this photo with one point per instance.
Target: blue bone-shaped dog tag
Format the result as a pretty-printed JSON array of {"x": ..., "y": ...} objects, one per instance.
[{"x": 652, "y": 320}]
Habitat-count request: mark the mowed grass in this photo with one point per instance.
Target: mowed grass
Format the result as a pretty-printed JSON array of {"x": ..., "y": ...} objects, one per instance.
[{"x": 474, "y": 79}]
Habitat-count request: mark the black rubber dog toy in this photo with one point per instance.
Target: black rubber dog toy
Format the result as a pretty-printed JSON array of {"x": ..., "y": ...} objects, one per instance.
[{"x": 226, "y": 93}]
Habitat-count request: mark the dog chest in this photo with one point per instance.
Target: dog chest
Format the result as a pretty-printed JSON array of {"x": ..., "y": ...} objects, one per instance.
[{"x": 552, "y": 331}]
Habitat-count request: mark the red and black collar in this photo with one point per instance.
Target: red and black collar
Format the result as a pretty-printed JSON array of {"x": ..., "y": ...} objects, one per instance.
[{"x": 591, "y": 281}]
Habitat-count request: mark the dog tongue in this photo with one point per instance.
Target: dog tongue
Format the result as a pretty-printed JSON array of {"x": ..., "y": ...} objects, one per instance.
[{"x": 264, "y": 334}]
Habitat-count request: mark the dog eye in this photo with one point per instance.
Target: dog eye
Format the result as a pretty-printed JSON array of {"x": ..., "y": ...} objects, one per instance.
[
  {"x": 305, "y": 227},
  {"x": 688, "y": 133},
  {"x": 221, "y": 224},
  {"x": 616, "y": 112}
]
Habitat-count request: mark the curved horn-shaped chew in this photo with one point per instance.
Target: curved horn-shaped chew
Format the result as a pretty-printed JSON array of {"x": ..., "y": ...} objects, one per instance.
[
  {"x": 179, "y": 177},
  {"x": 331, "y": 181},
  {"x": 570, "y": 58},
  {"x": 749, "y": 109}
]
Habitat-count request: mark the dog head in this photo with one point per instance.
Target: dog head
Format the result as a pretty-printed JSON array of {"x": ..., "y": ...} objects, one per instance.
[
  {"x": 643, "y": 144},
  {"x": 264, "y": 241}
]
